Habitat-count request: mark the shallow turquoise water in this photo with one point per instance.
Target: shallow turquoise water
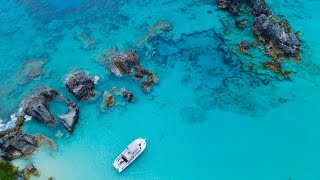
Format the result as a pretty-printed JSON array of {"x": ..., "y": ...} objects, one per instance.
[{"x": 206, "y": 118}]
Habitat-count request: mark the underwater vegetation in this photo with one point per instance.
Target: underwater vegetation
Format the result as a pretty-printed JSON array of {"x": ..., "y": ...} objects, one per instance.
[{"x": 7, "y": 170}]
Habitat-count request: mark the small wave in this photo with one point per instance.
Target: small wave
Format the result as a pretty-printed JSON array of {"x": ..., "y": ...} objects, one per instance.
[
  {"x": 96, "y": 79},
  {"x": 14, "y": 119},
  {"x": 10, "y": 124}
]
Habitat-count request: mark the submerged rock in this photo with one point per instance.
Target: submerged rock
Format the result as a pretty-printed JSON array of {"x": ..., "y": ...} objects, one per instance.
[
  {"x": 80, "y": 86},
  {"x": 30, "y": 170},
  {"x": 279, "y": 33},
  {"x": 70, "y": 119},
  {"x": 243, "y": 47},
  {"x": 38, "y": 106},
  {"x": 242, "y": 24},
  {"x": 116, "y": 97},
  {"x": 232, "y": 6},
  {"x": 127, "y": 95},
  {"x": 277, "y": 68},
  {"x": 158, "y": 29},
  {"x": 14, "y": 144}
]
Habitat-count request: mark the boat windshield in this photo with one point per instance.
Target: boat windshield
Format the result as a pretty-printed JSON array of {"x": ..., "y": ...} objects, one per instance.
[{"x": 125, "y": 159}]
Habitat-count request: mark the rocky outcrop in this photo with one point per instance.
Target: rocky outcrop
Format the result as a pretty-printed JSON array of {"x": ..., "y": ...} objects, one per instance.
[
  {"x": 122, "y": 64},
  {"x": 14, "y": 144},
  {"x": 270, "y": 29},
  {"x": 260, "y": 7},
  {"x": 127, "y": 63},
  {"x": 70, "y": 119},
  {"x": 38, "y": 106},
  {"x": 232, "y": 6},
  {"x": 80, "y": 86}
]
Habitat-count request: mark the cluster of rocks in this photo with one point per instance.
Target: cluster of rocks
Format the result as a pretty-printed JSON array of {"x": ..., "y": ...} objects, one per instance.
[
  {"x": 37, "y": 106},
  {"x": 128, "y": 63},
  {"x": 80, "y": 86},
  {"x": 25, "y": 173},
  {"x": 14, "y": 144},
  {"x": 112, "y": 97},
  {"x": 275, "y": 33},
  {"x": 70, "y": 119}
]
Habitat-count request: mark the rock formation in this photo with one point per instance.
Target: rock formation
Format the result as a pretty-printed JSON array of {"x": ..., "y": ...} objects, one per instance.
[
  {"x": 273, "y": 31},
  {"x": 14, "y": 144},
  {"x": 127, "y": 63},
  {"x": 38, "y": 106},
  {"x": 80, "y": 86},
  {"x": 70, "y": 119}
]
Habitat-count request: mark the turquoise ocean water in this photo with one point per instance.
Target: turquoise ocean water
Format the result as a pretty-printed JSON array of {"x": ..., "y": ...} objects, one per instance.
[{"x": 209, "y": 117}]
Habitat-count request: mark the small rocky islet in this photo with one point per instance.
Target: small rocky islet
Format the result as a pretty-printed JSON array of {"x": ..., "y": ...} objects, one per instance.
[{"x": 276, "y": 34}]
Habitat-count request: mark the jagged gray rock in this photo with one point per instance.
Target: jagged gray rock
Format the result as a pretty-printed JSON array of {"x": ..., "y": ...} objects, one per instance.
[
  {"x": 70, "y": 119},
  {"x": 38, "y": 106},
  {"x": 279, "y": 32},
  {"x": 14, "y": 144},
  {"x": 80, "y": 86}
]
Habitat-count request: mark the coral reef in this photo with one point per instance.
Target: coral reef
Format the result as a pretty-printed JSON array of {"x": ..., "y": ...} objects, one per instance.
[
  {"x": 70, "y": 119},
  {"x": 276, "y": 67},
  {"x": 80, "y": 86},
  {"x": 37, "y": 106}
]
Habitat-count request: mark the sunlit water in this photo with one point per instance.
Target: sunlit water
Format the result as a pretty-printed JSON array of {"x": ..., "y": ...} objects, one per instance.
[{"x": 205, "y": 119}]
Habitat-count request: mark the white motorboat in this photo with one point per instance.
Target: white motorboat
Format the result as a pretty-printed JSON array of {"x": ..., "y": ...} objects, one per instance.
[{"x": 127, "y": 156}]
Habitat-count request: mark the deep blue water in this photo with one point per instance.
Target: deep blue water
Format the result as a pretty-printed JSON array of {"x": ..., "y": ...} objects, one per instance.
[{"x": 209, "y": 117}]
